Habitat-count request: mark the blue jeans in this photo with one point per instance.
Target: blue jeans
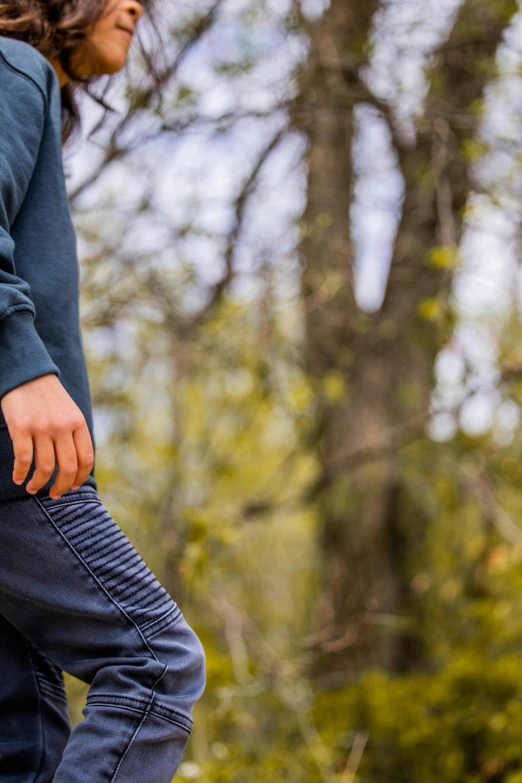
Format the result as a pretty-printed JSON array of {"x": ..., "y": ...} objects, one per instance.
[{"x": 75, "y": 596}]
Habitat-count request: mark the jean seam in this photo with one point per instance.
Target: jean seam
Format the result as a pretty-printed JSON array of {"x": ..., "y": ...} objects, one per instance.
[
  {"x": 135, "y": 709},
  {"x": 138, "y": 727},
  {"x": 53, "y": 694},
  {"x": 163, "y": 617},
  {"x": 40, "y": 719},
  {"x": 138, "y": 705},
  {"x": 174, "y": 621},
  {"x": 98, "y": 582},
  {"x": 75, "y": 502},
  {"x": 129, "y": 618}
]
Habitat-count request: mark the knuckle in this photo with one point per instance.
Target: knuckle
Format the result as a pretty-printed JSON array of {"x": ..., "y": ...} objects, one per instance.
[
  {"x": 22, "y": 427},
  {"x": 40, "y": 427},
  {"x": 46, "y": 466},
  {"x": 86, "y": 460},
  {"x": 60, "y": 426}
]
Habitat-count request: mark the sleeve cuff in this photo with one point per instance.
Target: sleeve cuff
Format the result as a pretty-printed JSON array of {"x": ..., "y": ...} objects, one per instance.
[{"x": 23, "y": 356}]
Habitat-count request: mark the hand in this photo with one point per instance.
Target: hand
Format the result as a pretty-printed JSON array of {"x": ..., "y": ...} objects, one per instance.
[{"x": 40, "y": 414}]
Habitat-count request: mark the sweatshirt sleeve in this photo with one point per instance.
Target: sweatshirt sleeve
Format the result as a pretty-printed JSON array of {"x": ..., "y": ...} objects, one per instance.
[{"x": 23, "y": 355}]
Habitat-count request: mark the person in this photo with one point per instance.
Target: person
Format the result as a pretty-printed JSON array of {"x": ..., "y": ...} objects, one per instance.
[{"x": 75, "y": 596}]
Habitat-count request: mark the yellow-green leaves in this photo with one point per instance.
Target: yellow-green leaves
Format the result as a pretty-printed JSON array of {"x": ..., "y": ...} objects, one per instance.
[
  {"x": 444, "y": 256},
  {"x": 430, "y": 308},
  {"x": 334, "y": 386}
]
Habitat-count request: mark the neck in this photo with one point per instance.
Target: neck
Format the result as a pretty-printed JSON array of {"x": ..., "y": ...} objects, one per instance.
[{"x": 62, "y": 76}]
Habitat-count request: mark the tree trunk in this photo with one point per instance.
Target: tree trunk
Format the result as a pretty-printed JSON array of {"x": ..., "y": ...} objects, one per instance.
[{"x": 370, "y": 526}]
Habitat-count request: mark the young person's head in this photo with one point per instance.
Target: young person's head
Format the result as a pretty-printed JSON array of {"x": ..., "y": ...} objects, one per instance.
[
  {"x": 105, "y": 47},
  {"x": 82, "y": 39}
]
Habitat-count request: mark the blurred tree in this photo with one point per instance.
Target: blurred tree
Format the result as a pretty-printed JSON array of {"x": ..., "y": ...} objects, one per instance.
[
  {"x": 374, "y": 372},
  {"x": 210, "y": 446}
]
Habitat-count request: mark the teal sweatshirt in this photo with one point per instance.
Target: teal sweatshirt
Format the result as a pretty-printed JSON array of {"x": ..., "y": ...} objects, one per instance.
[{"x": 39, "y": 272}]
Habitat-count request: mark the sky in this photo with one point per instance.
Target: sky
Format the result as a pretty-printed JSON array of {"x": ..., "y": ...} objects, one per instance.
[
  {"x": 488, "y": 279},
  {"x": 196, "y": 175}
]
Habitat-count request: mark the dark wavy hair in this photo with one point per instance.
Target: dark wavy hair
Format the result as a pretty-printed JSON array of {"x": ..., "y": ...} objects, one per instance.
[{"x": 57, "y": 28}]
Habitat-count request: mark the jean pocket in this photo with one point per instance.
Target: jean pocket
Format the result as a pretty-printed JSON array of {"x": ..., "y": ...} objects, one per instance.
[{"x": 107, "y": 553}]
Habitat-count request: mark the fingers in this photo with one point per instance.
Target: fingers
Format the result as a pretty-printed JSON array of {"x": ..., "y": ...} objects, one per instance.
[
  {"x": 48, "y": 428},
  {"x": 84, "y": 453},
  {"x": 67, "y": 464},
  {"x": 23, "y": 451},
  {"x": 44, "y": 460},
  {"x": 71, "y": 450}
]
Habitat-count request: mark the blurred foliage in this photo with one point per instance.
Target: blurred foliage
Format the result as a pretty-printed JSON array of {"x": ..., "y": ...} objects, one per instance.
[
  {"x": 208, "y": 457},
  {"x": 244, "y": 544}
]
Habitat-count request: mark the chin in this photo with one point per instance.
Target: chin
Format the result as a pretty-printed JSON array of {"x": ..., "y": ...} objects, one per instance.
[
  {"x": 115, "y": 65},
  {"x": 110, "y": 59},
  {"x": 111, "y": 65}
]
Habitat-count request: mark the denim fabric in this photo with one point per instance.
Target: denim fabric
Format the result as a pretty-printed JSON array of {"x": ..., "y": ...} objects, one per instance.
[{"x": 75, "y": 596}]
